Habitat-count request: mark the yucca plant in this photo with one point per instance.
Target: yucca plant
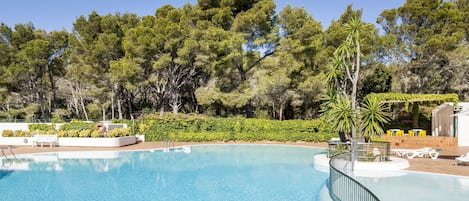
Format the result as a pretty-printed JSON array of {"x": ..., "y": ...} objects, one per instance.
[
  {"x": 340, "y": 115},
  {"x": 373, "y": 115}
]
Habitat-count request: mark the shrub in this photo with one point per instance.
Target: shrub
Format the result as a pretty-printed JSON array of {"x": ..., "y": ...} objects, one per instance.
[
  {"x": 78, "y": 125},
  {"x": 118, "y": 132},
  {"x": 97, "y": 133},
  {"x": 21, "y": 133},
  {"x": 202, "y": 128},
  {"x": 142, "y": 128},
  {"x": 42, "y": 128},
  {"x": 7, "y": 133},
  {"x": 72, "y": 133},
  {"x": 62, "y": 133},
  {"x": 85, "y": 133}
]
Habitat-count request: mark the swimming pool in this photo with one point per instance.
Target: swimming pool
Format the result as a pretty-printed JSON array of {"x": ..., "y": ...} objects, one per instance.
[
  {"x": 214, "y": 172},
  {"x": 410, "y": 186}
]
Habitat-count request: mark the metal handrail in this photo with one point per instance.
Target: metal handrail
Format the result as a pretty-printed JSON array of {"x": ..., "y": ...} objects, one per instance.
[{"x": 343, "y": 187}]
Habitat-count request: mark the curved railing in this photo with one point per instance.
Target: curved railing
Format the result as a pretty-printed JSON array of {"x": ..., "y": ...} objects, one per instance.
[{"x": 343, "y": 187}]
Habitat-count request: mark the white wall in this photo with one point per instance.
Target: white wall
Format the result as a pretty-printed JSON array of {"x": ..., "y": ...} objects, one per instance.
[
  {"x": 13, "y": 126},
  {"x": 463, "y": 128}
]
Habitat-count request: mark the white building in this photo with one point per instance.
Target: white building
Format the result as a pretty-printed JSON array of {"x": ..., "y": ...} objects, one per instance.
[{"x": 451, "y": 121}]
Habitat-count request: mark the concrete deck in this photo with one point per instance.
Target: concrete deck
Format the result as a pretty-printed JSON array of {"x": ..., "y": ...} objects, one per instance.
[{"x": 444, "y": 163}]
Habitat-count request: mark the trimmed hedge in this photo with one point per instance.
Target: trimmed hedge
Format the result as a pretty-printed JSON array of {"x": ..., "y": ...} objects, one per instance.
[
  {"x": 44, "y": 128},
  {"x": 78, "y": 125},
  {"x": 198, "y": 128},
  {"x": 73, "y": 129},
  {"x": 16, "y": 133}
]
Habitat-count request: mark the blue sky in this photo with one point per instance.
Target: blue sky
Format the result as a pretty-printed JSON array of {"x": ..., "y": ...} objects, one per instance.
[{"x": 60, "y": 14}]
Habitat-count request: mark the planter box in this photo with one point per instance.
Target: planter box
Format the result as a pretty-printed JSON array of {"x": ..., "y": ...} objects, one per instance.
[{"x": 74, "y": 141}]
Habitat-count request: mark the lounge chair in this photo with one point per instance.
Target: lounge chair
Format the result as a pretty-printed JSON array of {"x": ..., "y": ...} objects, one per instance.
[
  {"x": 423, "y": 152},
  {"x": 402, "y": 152},
  {"x": 462, "y": 160}
]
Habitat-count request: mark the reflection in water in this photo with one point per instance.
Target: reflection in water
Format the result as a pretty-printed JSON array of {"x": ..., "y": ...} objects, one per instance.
[
  {"x": 241, "y": 172},
  {"x": 100, "y": 161}
]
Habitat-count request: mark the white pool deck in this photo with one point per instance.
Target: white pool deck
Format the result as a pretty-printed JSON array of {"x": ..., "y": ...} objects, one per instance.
[{"x": 372, "y": 169}]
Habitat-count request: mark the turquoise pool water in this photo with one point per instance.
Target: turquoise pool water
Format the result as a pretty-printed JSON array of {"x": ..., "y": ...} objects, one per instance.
[
  {"x": 214, "y": 172},
  {"x": 412, "y": 186}
]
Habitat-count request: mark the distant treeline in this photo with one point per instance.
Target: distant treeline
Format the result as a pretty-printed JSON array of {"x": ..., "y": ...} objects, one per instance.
[{"x": 224, "y": 58}]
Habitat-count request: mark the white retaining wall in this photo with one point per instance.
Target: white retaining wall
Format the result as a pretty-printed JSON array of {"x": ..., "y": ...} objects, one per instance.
[
  {"x": 68, "y": 141},
  {"x": 74, "y": 141}
]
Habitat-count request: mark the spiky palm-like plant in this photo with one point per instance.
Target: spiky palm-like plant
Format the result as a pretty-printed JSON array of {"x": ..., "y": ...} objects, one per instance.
[
  {"x": 373, "y": 115},
  {"x": 341, "y": 115}
]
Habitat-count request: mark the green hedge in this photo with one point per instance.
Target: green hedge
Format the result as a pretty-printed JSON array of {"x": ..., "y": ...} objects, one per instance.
[
  {"x": 16, "y": 133},
  {"x": 199, "y": 128},
  {"x": 78, "y": 125},
  {"x": 43, "y": 128}
]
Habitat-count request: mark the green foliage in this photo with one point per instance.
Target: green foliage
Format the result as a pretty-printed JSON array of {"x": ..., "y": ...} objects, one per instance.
[
  {"x": 16, "y": 133},
  {"x": 200, "y": 128},
  {"x": 425, "y": 32},
  {"x": 408, "y": 98},
  {"x": 71, "y": 133},
  {"x": 78, "y": 126},
  {"x": 22, "y": 133},
  {"x": 118, "y": 132},
  {"x": 340, "y": 115},
  {"x": 374, "y": 115},
  {"x": 228, "y": 58},
  {"x": 61, "y": 133},
  {"x": 85, "y": 133},
  {"x": 42, "y": 127},
  {"x": 7, "y": 133},
  {"x": 97, "y": 133}
]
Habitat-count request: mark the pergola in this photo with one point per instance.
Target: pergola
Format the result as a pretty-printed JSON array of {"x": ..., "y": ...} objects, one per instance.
[{"x": 414, "y": 100}]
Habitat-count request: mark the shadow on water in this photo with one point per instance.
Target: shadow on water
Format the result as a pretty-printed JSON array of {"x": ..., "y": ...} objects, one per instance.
[{"x": 4, "y": 173}]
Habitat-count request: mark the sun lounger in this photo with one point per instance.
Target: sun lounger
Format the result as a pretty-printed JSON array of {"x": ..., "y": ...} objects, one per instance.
[
  {"x": 462, "y": 160},
  {"x": 422, "y": 152},
  {"x": 402, "y": 152}
]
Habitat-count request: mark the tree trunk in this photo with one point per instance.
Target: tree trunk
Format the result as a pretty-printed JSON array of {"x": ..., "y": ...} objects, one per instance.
[
  {"x": 354, "y": 88},
  {"x": 280, "y": 112},
  {"x": 175, "y": 105},
  {"x": 119, "y": 108},
  {"x": 112, "y": 104},
  {"x": 129, "y": 104},
  {"x": 104, "y": 112},
  {"x": 82, "y": 102},
  {"x": 415, "y": 115},
  {"x": 75, "y": 104},
  {"x": 162, "y": 110}
]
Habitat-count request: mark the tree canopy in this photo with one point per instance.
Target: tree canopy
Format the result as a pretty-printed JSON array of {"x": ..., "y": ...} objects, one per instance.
[{"x": 230, "y": 58}]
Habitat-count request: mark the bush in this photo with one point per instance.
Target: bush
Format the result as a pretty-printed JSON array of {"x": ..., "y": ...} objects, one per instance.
[
  {"x": 72, "y": 133},
  {"x": 21, "y": 133},
  {"x": 97, "y": 133},
  {"x": 78, "y": 125},
  {"x": 85, "y": 133},
  {"x": 42, "y": 128},
  {"x": 16, "y": 133},
  {"x": 202, "y": 128},
  {"x": 62, "y": 133},
  {"x": 118, "y": 132},
  {"x": 7, "y": 133}
]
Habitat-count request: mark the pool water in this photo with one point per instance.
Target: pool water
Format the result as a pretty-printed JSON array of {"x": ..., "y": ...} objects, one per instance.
[
  {"x": 212, "y": 172},
  {"x": 411, "y": 186}
]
